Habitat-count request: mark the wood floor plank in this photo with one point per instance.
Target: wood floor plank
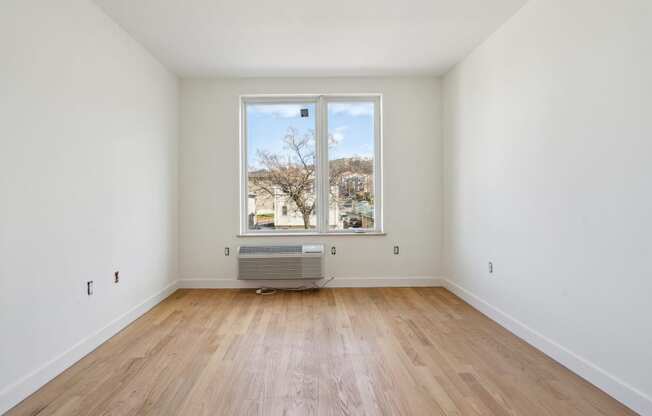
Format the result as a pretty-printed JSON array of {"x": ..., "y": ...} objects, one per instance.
[{"x": 386, "y": 351}]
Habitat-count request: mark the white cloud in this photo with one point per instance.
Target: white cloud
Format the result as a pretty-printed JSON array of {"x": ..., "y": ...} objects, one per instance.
[
  {"x": 278, "y": 110},
  {"x": 367, "y": 156},
  {"x": 353, "y": 109},
  {"x": 338, "y": 134}
]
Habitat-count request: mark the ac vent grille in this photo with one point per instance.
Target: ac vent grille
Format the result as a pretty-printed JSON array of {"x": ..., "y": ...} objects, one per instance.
[
  {"x": 285, "y": 249},
  {"x": 280, "y": 262}
]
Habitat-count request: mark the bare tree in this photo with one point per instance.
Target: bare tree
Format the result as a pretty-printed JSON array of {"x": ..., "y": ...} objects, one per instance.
[{"x": 293, "y": 174}]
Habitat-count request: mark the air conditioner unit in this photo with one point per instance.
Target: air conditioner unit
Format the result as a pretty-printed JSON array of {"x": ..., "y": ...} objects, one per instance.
[{"x": 280, "y": 262}]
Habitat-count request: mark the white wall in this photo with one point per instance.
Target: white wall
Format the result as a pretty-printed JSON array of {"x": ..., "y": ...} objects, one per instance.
[
  {"x": 548, "y": 138},
  {"x": 88, "y": 184},
  {"x": 209, "y": 163}
]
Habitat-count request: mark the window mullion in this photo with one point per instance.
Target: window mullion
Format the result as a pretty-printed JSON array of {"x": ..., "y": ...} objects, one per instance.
[{"x": 322, "y": 166}]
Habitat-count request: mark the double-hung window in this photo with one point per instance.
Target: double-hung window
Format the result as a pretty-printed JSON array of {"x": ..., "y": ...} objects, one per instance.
[{"x": 310, "y": 164}]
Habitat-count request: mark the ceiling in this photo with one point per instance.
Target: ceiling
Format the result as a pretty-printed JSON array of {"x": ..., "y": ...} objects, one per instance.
[{"x": 206, "y": 38}]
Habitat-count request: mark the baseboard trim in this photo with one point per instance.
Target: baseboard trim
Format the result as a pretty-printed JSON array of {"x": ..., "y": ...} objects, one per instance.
[
  {"x": 387, "y": 282},
  {"x": 337, "y": 282},
  {"x": 610, "y": 384},
  {"x": 14, "y": 393}
]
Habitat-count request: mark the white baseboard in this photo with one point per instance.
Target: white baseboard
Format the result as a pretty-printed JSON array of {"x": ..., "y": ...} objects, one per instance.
[
  {"x": 21, "y": 389},
  {"x": 387, "y": 282},
  {"x": 337, "y": 282},
  {"x": 610, "y": 384}
]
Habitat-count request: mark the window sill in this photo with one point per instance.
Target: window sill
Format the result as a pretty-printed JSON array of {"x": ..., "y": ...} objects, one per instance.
[{"x": 271, "y": 234}]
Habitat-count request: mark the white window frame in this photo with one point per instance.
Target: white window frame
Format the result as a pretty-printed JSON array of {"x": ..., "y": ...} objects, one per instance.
[{"x": 321, "y": 161}]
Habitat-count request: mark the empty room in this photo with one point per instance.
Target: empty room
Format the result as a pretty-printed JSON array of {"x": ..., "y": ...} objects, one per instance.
[{"x": 367, "y": 207}]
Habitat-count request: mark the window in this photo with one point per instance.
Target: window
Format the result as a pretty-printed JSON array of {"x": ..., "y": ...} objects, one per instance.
[{"x": 311, "y": 164}]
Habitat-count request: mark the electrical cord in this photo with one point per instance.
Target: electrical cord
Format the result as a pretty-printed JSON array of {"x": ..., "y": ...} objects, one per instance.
[{"x": 265, "y": 290}]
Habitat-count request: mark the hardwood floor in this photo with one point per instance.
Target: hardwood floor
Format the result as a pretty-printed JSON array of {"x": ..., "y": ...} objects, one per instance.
[{"x": 398, "y": 351}]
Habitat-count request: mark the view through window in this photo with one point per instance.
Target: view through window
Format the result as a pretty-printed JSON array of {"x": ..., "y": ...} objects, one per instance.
[
  {"x": 351, "y": 165},
  {"x": 305, "y": 154},
  {"x": 281, "y": 171}
]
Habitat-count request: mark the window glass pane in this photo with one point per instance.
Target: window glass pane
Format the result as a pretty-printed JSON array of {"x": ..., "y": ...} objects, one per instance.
[
  {"x": 281, "y": 166},
  {"x": 351, "y": 165}
]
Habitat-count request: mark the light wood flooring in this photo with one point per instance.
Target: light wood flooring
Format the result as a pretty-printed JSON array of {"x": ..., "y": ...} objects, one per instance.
[{"x": 398, "y": 351}]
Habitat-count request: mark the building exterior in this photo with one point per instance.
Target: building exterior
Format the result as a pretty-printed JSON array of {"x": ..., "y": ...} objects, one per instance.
[{"x": 351, "y": 202}]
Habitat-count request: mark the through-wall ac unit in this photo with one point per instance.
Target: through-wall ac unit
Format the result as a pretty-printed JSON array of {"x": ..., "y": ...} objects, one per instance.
[{"x": 280, "y": 262}]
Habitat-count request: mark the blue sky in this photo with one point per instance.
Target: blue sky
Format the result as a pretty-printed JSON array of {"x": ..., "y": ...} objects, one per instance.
[{"x": 350, "y": 124}]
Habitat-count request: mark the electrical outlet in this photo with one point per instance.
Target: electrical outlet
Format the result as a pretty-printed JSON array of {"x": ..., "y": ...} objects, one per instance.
[
  {"x": 491, "y": 267},
  {"x": 396, "y": 250},
  {"x": 89, "y": 287},
  {"x": 333, "y": 251},
  {"x": 227, "y": 251},
  {"x": 116, "y": 276}
]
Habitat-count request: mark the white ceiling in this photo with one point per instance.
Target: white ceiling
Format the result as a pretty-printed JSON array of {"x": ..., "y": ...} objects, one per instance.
[{"x": 198, "y": 38}]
